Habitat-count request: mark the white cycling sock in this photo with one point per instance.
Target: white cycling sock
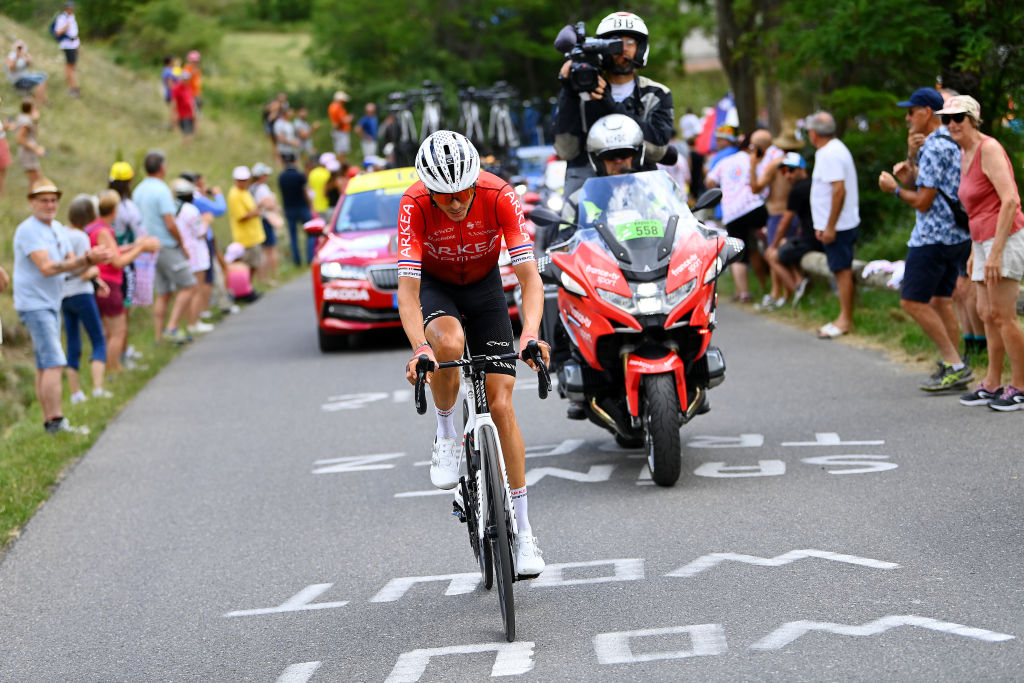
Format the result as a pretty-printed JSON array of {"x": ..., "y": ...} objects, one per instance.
[
  {"x": 446, "y": 423},
  {"x": 519, "y": 502}
]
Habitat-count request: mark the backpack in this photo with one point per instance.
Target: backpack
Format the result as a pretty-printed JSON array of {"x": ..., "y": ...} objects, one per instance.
[{"x": 53, "y": 29}]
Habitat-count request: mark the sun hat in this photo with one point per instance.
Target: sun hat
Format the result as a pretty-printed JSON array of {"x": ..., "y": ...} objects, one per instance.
[
  {"x": 924, "y": 97},
  {"x": 193, "y": 56},
  {"x": 43, "y": 186},
  {"x": 121, "y": 170},
  {"x": 182, "y": 188},
  {"x": 260, "y": 169},
  {"x": 241, "y": 173},
  {"x": 962, "y": 104},
  {"x": 332, "y": 165},
  {"x": 726, "y": 133},
  {"x": 341, "y": 96},
  {"x": 233, "y": 252},
  {"x": 325, "y": 157}
]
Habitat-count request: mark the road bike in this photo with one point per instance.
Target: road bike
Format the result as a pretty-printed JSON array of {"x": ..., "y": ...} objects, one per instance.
[{"x": 483, "y": 499}]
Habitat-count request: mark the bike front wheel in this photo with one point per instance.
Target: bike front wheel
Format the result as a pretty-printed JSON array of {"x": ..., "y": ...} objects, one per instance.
[{"x": 499, "y": 521}]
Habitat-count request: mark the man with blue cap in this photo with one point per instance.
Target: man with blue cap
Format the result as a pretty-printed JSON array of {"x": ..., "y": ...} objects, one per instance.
[{"x": 938, "y": 246}]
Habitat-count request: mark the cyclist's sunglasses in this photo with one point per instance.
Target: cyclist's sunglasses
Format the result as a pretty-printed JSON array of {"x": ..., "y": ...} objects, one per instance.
[
  {"x": 446, "y": 198},
  {"x": 958, "y": 118}
]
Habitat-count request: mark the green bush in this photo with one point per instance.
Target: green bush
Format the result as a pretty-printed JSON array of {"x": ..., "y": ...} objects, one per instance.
[{"x": 164, "y": 27}]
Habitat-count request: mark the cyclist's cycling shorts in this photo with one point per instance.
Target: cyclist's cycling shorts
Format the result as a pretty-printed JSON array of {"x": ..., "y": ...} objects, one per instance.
[{"x": 481, "y": 307}]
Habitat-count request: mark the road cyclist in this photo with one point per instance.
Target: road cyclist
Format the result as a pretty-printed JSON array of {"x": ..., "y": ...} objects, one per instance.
[{"x": 450, "y": 228}]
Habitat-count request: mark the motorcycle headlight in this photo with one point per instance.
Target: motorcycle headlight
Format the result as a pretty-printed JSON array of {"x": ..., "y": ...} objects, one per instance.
[
  {"x": 617, "y": 300},
  {"x": 679, "y": 293},
  {"x": 714, "y": 271},
  {"x": 555, "y": 202},
  {"x": 572, "y": 286},
  {"x": 338, "y": 271}
]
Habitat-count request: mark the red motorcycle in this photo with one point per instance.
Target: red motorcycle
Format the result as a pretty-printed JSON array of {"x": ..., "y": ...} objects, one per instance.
[{"x": 636, "y": 287}]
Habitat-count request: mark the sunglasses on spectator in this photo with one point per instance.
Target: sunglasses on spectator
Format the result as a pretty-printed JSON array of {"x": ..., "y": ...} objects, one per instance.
[
  {"x": 446, "y": 198},
  {"x": 958, "y": 118}
]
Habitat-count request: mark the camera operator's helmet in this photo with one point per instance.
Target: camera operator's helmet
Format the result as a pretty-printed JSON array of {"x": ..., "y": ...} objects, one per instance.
[
  {"x": 627, "y": 24},
  {"x": 610, "y": 137},
  {"x": 447, "y": 162}
]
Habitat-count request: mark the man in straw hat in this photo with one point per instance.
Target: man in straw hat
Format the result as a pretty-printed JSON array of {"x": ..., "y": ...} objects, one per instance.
[{"x": 42, "y": 260}]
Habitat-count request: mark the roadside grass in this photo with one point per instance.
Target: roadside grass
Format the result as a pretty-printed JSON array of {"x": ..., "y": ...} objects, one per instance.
[{"x": 120, "y": 116}]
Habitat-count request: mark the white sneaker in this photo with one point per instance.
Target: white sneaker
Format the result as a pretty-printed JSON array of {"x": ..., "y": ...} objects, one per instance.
[
  {"x": 529, "y": 562},
  {"x": 133, "y": 353},
  {"x": 64, "y": 427},
  {"x": 200, "y": 328},
  {"x": 78, "y": 397},
  {"x": 766, "y": 301},
  {"x": 206, "y": 315},
  {"x": 444, "y": 462},
  {"x": 100, "y": 392}
]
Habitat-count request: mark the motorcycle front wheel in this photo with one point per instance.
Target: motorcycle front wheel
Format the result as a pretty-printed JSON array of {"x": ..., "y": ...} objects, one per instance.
[{"x": 661, "y": 422}]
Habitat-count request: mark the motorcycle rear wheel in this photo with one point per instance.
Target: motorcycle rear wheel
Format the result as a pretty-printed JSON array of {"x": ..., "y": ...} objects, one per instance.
[{"x": 661, "y": 419}]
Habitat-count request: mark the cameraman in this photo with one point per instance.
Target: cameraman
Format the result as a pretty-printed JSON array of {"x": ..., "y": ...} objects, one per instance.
[{"x": 619, "y": 91}]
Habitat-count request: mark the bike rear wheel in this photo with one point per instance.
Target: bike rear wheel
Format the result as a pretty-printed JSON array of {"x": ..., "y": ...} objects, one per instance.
[{"x": 499, "y": 520}]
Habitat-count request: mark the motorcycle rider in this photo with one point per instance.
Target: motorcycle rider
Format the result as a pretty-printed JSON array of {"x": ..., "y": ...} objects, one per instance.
[
  {"x": 615, "y": 145},
  {"x": 620, "y": 91},
  {"x": 450, "y": 228}
]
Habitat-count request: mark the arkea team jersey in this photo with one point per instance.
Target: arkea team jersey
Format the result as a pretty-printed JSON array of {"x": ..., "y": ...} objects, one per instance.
[{"x": 463, "y": 251}]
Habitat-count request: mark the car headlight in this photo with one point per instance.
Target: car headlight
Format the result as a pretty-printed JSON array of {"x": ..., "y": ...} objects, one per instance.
[
  {"x": 555, "y": 202},
  {"x": 339, "y": 271}
]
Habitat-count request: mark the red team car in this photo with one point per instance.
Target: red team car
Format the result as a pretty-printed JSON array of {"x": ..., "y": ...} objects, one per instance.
[{"x": 354, "y": 268}]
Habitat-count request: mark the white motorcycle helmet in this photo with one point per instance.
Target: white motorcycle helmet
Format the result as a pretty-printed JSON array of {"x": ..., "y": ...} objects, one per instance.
[
  {"x": 614, "y": 133},
  {"x": 447, "y": 162},
  {"x": 627, "y": 24}
]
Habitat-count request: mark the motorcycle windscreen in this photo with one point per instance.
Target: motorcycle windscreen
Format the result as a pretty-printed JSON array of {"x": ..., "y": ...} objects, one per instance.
[{"x": 638, "y": 218}]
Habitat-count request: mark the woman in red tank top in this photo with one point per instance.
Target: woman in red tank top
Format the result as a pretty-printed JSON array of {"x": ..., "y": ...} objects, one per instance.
[{"x": 989, "y": 194}]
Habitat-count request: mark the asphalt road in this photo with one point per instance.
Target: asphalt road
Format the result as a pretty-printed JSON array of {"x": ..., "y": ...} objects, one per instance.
[{"x": 262, "y": 512}]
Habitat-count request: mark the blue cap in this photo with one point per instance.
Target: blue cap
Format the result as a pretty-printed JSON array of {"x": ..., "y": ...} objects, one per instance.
[{"x": 924, "y": 97}]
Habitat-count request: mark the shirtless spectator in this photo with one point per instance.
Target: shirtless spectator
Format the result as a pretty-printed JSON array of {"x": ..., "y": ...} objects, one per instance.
[{"x": 765, "y": 159}]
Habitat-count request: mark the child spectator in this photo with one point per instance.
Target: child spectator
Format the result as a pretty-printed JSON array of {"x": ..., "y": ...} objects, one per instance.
[
  {"x": 239, "y": 275},
  {"x": 79, "y": 305},
  {"x": 185, "y": 106},
  {"x": 29, "y": 149},
  {"x": 112, "y": 307}
]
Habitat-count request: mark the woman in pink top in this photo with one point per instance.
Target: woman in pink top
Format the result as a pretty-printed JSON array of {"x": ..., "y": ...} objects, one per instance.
[
  {"x": 989, "y": 194},
  {"x": 112, "y": 310}
]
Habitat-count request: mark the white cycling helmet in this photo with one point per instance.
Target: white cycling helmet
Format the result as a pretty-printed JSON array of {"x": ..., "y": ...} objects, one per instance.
[
  {"x": 627, "y": 24},
  {"x": 612, "y": 133},
  {"x": 447, "y": 162}
]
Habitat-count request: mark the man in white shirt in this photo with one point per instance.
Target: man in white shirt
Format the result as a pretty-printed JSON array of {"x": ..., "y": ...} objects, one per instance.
[
  {"x": 66, "y": 30},
  {"x": 835, "y": 211}
]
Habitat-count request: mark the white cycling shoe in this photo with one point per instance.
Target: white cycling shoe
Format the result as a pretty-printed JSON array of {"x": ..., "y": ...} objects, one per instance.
[
  {"x": 529, "y": 563},
  {"x": 444, "y": 462}
]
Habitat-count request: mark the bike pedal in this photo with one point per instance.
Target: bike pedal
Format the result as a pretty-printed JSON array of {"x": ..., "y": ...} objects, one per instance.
[{"x": 458, "y": 512}]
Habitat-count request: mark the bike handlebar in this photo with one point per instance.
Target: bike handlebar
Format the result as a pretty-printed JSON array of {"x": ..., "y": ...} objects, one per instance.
[{"x": 531, "y": 352}]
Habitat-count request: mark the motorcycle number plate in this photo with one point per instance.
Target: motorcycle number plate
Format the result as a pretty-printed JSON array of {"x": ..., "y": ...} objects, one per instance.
[{"x": 640, "y": 228}]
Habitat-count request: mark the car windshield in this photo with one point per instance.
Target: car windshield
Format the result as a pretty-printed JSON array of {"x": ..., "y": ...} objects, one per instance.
[
  {"x": 630, "y": 214},
  {"x": 371, "y": 210}
]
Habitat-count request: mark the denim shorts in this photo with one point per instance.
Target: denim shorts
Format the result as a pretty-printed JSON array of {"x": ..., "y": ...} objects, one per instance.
[
  {"x": 932, "y": 269},
  {"x": 840, "y": 252},
  {"x": 44, "y": 327}
]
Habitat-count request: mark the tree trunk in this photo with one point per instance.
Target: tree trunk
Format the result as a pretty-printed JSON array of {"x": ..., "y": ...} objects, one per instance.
[{"x": 738, "y": 65}]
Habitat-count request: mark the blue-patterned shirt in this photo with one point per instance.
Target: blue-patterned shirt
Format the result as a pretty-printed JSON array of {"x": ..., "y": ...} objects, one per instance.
[{"x": 938, "y": 166}]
